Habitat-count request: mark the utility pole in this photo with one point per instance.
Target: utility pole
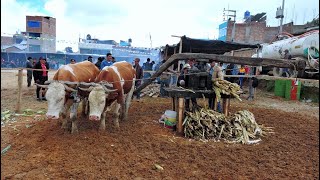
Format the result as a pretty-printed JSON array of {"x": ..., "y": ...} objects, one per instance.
[
  {"x": 150, "y": 40},
  {"x": 279, "y": 14},
  {"x": 234, "y": 23}
]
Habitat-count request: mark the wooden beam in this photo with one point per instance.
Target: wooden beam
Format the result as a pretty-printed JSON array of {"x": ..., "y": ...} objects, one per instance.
[{"x": 219, "y": 58}]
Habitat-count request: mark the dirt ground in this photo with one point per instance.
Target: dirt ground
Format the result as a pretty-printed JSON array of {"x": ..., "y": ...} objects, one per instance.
[{"x": 40, "y": 149}]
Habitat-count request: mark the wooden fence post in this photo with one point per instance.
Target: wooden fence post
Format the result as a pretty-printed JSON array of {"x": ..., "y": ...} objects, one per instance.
[
  {"x": 180, "y": 115},
  {"x": 20, "y": 77}
]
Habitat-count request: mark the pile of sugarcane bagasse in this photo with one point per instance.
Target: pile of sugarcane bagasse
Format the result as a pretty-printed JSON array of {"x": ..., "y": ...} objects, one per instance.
[{"x": 240, "y": 127}]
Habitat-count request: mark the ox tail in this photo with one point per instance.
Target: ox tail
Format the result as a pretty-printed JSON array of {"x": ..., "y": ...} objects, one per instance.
[{"x": 128, "y": 100}]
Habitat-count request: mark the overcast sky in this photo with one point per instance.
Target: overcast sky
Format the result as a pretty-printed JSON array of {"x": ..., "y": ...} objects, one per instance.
[{"x": 136, "y": 19}]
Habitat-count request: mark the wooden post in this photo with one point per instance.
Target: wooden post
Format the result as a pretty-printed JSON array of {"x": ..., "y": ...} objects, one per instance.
[
  {"x": 180, "y": 115},
  {"x": 215, "y": 104},
  {"x": 228, "y": 105},
  {"x": 173, "y": 103},
  {"x": 20, "y": 77},
  {"x": 180, "y": 51},
  {"x": 225, "y": 106}
]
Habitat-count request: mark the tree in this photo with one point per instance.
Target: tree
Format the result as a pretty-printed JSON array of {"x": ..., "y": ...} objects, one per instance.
[{"x": 68, "y": 50}]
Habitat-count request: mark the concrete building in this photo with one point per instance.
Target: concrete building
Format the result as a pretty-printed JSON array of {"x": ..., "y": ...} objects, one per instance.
[
  {"x": 95, "y": 46},
  {"x": 41, "y": 33}
]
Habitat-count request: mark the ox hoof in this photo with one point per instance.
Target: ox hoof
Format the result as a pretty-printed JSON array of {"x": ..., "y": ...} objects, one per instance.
[
  {"x": 117, "y": 127},
  {"x": 101, "y": 129},
  {"x": 74, "y": 131}
]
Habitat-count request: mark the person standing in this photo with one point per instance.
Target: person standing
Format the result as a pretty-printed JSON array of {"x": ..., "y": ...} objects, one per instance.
[
  {"x": 29, "y": 71},
  {"x": 107, "y": 61},
  {"x": 286, "y": 55},
  {"x": 34, "y": 62},
  {"x": 41, "y": 76},
  {"x": 242, "y": 71},
  {"x": 90, "y": 58},
  {"x": 98, "y": 63},
  {"x": 215, "y": 72},
  {"x": 253, "y": 81},
  {"x": 113, "y": 59},
  {"x": 72, "y": 61},
  {"x": 229, "y": 71},
  {"x": 139, "y": 76},
  {"x": 147, "y": 66}
]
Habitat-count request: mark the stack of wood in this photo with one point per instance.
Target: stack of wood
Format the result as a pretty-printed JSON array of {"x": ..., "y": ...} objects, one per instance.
[{"x": 152, "y": 90}]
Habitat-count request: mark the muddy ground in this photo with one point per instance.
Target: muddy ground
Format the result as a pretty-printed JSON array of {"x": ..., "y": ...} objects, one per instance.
[{"x": 40, "y": 149}]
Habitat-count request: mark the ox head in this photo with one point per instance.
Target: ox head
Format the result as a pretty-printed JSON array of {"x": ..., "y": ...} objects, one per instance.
[
  {"x": 97, "y": 99},
  {"x": 55, "y": 96}
]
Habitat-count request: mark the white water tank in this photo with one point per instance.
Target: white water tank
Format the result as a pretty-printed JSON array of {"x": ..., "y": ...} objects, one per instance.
[{"x": 297, "y": 46}]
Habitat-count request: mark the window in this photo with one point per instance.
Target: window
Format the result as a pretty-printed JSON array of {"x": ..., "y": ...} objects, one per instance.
[
  {"x": 34, "y": 48},
  {"x": 34, "y": 24},
  {"x": 34, "y": 35},
  {"x": 18, "y": 41}
]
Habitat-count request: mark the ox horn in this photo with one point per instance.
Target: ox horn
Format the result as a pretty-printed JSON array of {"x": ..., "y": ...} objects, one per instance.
[
  {"x": 108, "y": 85},
  {"x": 40, "y": 85},
  {"x": 108, "y": 90},
  {"x": 88, "y": 84},
  {"x": 69, "y": 88},
  {"x": 86, "y": 89},
  {"x": 71, "y": 83},
  {"x": 48, "y": 82}
]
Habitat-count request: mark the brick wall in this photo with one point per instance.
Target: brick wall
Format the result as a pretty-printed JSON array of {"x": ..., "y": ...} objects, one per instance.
[
  {"x": 47, "y": 25},
  {"x": 47, "y": 30},
  {"x": 5, "y": 40},
  {"x": 256, "y": 32}
]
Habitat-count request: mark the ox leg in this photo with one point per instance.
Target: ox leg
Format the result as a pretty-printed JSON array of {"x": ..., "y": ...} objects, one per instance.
[
  {"x": 127, "y": 103},
  {"x": 122, "y": 109},
  {"x": 84, "y": 107},
  {"x": 103, "y": 122},
  {"x": 73, "y": 117},
  {"x": 116, "y": 115},
  {"x": 64, "y": 114}
]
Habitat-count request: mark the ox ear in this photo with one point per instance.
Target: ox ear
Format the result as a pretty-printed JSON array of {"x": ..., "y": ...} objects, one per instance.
[
  {"x": 69, "y": 88},
  {"x": 86, "y": 89},
  {"x": 42, "y": 86}
]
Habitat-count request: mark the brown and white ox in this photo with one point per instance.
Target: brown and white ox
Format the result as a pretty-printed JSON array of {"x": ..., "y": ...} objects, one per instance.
[
  {"x": 61, "y": 93},
  {"x": 113, "y": 91}
]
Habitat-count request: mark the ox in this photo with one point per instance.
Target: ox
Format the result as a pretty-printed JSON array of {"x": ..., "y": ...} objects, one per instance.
[
  {"x": 61, "y": 93},
  {"x": 119, "y": 79}
]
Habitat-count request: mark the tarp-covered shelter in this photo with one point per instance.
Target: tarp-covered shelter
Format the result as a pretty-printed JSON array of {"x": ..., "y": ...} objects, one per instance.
[{"x": 190, "y": 45}]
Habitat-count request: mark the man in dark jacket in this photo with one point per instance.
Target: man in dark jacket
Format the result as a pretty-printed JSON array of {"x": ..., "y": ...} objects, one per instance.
[
  {"x": 139, "y": 75},
  {"x": 29, "y": 71},
  {"x": 40, "y": 76},
  {"x": 98, "y": 63}
]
